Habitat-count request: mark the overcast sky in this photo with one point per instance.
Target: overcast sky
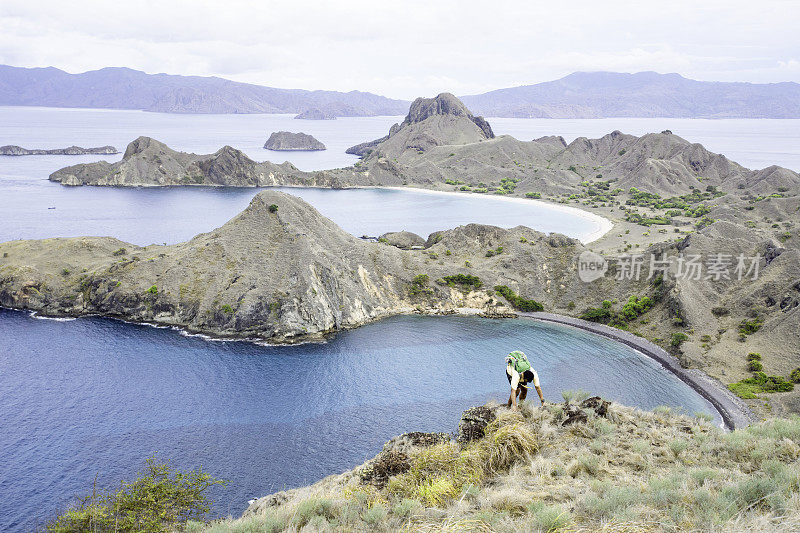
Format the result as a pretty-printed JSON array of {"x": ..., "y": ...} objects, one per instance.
[{"x": 407, "y": 48}]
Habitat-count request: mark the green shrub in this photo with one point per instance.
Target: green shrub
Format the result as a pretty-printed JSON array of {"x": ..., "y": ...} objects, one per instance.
[
  {"x": 152, "y": 290},
  {"x": 121, "y": 251},
  {"x": 535, "y": 195},
  {"x": 160, "y": 499},
  {"x": 678, "y": 339},
  {"x": 418, "y": 285},
  {"x": 794, "y": 377},
  {"x": 748, "y": 327},
  {"x": 755, "y": 366},
  {"x": 754, "y": 356},
  {"x": 273, "y": 208},
  {"x": 760, "y": 382},
  {"x": 227, "y": 309},
  {"x": 518, "y": 302},
  {"x": 465, "y": 280},
  {"x": 597, "y": 314}
]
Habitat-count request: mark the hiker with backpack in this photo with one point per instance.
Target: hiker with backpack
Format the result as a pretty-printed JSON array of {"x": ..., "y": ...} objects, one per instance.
[{"x": 520, "y": 374}]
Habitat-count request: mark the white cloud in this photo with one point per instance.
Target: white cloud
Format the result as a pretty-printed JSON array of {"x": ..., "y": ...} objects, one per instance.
[{"x": 405, "y": 49}]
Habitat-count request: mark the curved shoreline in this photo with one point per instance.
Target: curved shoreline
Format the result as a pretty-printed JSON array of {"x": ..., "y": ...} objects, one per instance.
[
  {"x": 734, "y": 412},
  {"x": 605, "y": 225}
]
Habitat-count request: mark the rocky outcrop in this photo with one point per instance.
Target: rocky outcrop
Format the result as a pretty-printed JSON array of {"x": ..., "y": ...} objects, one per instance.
[
  {"x": 72, "y": 150},
  {"x": 288, "y": 141},
  {"x": 430, "y": 122},
  {"x": 315, "y": 113},
  {"x": 405, "y": 240}
]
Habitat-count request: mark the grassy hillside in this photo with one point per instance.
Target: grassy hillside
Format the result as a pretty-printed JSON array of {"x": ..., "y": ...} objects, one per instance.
[{"x": 628, "y": 470}]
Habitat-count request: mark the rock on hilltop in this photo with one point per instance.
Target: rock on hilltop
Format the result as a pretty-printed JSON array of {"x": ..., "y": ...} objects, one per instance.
[{"x": 288, "y": 141}]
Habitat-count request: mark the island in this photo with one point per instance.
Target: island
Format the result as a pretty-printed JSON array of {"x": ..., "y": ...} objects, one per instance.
[
  {"x": 315, "y": 113},
  {"x": 285, "y": 141},
  {"x": 72, "y": 150}
]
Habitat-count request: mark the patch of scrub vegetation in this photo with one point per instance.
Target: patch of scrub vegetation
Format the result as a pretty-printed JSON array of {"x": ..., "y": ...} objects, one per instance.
[
  {"x": 760, "y": 382},
  {"x": 626, "y": 471},
  {"x": 494, "y": 252},
  {"x": 160, "y": 499},
  {"x": 517, "y": 301},
  {"x": 152, "y": 290},
  {"x": 465, "y": 281},
  {"x": 632, "y": 309},
  {"x": 419, "y": 285},
  {"x": 534, "y": 195}
]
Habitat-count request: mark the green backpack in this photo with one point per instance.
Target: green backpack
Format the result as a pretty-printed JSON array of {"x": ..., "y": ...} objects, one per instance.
[{"x": 520, "y": 361}]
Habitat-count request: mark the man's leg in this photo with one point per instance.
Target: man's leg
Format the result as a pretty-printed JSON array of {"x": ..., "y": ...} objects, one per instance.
[{"x": 523, "y": 393}]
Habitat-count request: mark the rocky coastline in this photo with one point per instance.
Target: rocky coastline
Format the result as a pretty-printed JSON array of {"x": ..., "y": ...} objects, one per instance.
[{"x": 13, "y": 150}]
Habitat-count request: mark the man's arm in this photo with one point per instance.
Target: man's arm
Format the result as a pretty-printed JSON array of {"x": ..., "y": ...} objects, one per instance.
[{"x": 536, "y": 384}]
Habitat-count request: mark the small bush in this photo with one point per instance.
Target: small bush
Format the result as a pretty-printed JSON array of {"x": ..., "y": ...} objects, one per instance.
[
  {"x": 273, "y": 208},
  {"x": 754, "y": 366},
  {"x": 754, "y": 356},
  {"x": 374, "y": 515},
  {"x": 152, "y": 290},
  {"x": 748, "y": 327},
  {"x": 678, "y": 339},
  {"x": 518, "y": 302},
  {"x": 160, "y": 499},
  {"x": 405, "y": 508},
  {"x": 308, "y": 509},
  {"x": 121, "y": 251},
  {"x": 465, "y": 280},
  {"x": 794, "y": 377},
  {"x": 549, "y": 518}
]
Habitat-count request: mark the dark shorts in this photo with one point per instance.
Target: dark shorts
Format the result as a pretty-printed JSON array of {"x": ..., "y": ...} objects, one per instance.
[{"x": 524, "y": 378}]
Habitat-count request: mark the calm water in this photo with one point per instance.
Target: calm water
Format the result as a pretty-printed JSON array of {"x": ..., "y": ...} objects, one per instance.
[{"x": 95, "y": 396}]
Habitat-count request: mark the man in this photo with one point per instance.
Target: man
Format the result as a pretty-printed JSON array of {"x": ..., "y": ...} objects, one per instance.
[{"x": 520, "y": 374}]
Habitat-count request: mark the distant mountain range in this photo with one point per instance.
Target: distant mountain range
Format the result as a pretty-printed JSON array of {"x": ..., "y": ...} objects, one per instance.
[
  {"x": 644, "y": 94},
  {"x": 124, "y": 88},
  {"x": 579, "y": 95}
]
